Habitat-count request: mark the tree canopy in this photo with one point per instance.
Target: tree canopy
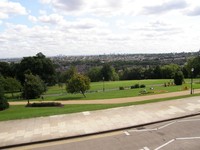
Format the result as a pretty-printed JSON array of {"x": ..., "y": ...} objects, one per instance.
[
  {"x": 37, "y": 65},
  {"x": 33, "y": 87},
  {"x": 78, "y": 83}
]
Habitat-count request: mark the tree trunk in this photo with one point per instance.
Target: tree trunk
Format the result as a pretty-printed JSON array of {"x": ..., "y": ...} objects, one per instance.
[{"x": 83, "y": 94}]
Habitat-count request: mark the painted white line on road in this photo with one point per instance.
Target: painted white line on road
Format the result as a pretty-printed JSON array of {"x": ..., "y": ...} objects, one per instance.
[
  {"x": 126, "y": 133},
  {"x": 86, "y": 113},
  {"x": 165, "y": 144},
  {"x": 188, "y": 138},
  {"x": 188, "y": 120},
  {"x": 167, "y": 125},
  {"x": 146, "y": 148}
]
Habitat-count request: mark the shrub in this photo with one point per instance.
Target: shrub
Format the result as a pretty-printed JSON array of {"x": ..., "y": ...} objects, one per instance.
[
  {"x": 4, "y": 104},
  {"x": 135, "y": 86},
  {"x": 142, "y": 86},
  {"x": 121, "y": 88},
  {"x": 178, "y": 78},
  {"x": 46, "y": 104}
]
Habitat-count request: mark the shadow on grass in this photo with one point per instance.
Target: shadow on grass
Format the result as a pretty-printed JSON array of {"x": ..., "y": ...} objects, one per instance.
[{"x": 69, "y": 98}]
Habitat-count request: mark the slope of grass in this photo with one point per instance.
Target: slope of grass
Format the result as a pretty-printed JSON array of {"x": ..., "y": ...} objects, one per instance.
[{"x": 22, "y": 112}]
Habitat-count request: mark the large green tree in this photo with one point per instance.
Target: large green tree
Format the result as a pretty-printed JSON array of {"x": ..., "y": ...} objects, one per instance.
[
  {"x": 78, "y": 84},
  {"x": 33, "y": 87},
  {"x": 37, "y": 65}
]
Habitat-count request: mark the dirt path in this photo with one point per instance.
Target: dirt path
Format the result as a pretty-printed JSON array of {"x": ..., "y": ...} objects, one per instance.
[{"x": 118, "y": 100}]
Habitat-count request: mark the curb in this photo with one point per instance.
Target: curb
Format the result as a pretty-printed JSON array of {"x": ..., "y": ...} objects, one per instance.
[{"x": 97, "y": 133}]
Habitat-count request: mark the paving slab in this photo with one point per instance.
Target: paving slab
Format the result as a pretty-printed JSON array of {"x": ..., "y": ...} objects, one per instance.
[{"x": 24, "y": 131}]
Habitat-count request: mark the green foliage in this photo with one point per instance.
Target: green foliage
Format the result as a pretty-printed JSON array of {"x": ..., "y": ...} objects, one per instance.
[
  {"x": 6, "y": 69},
  {"x": 45, "y": 104},
  {"x": 135, "y": 86},
  {"x": 95, "y": 74},
  {"x": 3, "y": 104},
  {"x": 168, "y": 71},
  {"x": 66, "y": 76},
  {"x": 108, "y": 73},
  {"x": 121, "y": 88},
  {"x": 78, "y": 83},
  {"x": 33, "y": 87},
  {"x": 37, "y": 65},
  {"x": 193, "y": 63},
  {"x": 12, "y": 85},
  {"x": 142, "y": 86},
  {"x": 178, "y": 78},
  {"x": 2, "y": 83}
]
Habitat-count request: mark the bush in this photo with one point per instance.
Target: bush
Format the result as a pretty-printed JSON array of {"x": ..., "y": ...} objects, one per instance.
[
  {"x": 142, "y": 86},
  {"x": 178, "y": 78},
  {"x": 47, "y": 104},
  {"x": 135, "y": 86},
  {"x": 4, "y": 104},
  {"x": 121, "y": 88}
]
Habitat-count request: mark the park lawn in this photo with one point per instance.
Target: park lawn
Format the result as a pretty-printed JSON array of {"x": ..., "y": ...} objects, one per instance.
[
  {"x": 110, "y": 94},
  {"x": 57, "y": 93},
  {"x": 22, "y": 112},
  {"x": 98, "y": 86}
]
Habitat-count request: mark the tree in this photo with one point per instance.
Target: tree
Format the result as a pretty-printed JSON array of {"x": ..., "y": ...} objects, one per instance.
[
  {"x": 168, "y": 71},
  {"x": 5, "y": 69},
  {"x": 178, "y": 78},
  {"x": 37, "y": 65},
  {"x": 78, "y": 83},
  {"x": 66, "y": 76},
  {"x": 12, "y": 85},
  {"x": 193, "y": 63},
  {"x": 33, "y": 87},
  {"x": 3, "y": 102},
  {"x": 95, "y": 74},
  {"x": 108, "y": 73}
]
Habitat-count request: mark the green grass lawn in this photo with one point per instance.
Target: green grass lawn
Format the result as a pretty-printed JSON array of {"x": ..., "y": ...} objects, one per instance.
[
  {"x": 112, "y": 90},
  {"x": 22, "y": 112}
]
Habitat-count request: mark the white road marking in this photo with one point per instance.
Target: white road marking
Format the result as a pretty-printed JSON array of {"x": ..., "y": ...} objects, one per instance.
[
  {"x": 188, "y": 138},
  {"x": 146, "y": 148},
  {"x": 86, "y": 113},
  {"x": 188, "y": 120},
  {"x": 166, "y": 125},
  {"x": 126, "y": 133},
  {"x": 165, "y": 144}
]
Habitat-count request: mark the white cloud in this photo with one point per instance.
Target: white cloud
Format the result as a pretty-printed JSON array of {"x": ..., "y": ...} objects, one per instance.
[
  {"x": 193, "y": 12},
  {"x": 165, "y": 7},
  {"x": 52, "y": 19},
  {"x": 11, "y": 8}
]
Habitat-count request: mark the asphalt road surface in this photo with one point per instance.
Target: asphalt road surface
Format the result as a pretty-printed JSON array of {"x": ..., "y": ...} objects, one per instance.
[{"x": 182, "y": 134}]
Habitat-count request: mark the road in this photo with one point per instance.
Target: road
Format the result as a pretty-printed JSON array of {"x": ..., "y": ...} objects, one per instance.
[{"x": 181, "y": 134}]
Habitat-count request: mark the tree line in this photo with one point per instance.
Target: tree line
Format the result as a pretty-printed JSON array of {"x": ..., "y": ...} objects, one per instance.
[{"x": 37, "y": 72}]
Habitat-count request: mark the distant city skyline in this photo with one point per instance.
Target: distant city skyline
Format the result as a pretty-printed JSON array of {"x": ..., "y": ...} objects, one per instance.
[{"x": 93, "y": 27}]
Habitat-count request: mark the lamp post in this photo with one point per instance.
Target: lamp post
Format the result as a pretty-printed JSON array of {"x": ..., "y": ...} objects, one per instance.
[
  {"x": 192, "y": 70},
  {"x": 103, "y": 85}
]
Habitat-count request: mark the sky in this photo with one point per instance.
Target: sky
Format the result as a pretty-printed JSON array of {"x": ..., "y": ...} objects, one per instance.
[{"x": 92, "y": 27}]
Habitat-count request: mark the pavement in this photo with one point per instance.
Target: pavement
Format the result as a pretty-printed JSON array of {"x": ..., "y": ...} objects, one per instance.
[{"x": 26, "y": 131}]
